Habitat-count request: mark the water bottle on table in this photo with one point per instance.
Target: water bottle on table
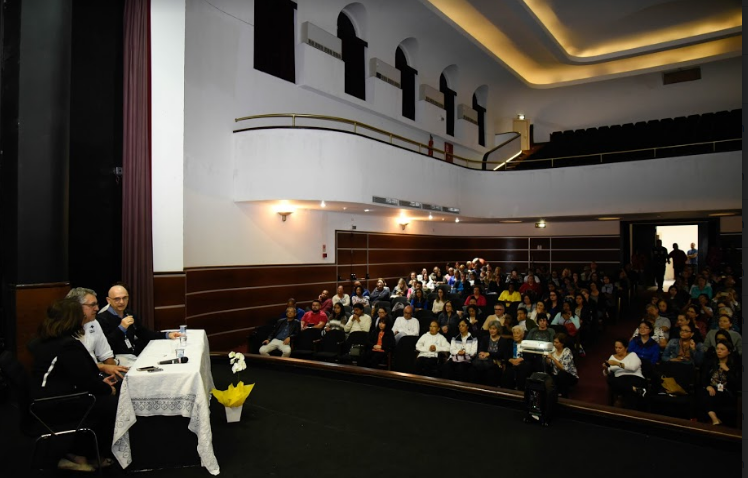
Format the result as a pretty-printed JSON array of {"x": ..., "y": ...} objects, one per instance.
[{"x": 183, "y": 338}]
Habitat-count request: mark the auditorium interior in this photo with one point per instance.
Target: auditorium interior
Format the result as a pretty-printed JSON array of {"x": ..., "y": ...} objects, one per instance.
[{"x": 223, "y": 156}]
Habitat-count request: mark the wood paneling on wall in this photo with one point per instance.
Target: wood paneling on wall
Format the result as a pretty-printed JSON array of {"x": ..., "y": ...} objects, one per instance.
[
  {"x": 229, "y": 302},
  {"x": 31, "y": 308}
]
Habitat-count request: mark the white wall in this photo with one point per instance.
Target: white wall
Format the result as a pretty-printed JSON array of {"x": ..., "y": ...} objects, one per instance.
[
  {"x": 220, "y": 84},
  {"x": 167, "y": 123},
  {"x": 617, "y": 188}
]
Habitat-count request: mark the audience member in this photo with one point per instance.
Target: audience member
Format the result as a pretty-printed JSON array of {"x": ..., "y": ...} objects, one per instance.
[
  {"x": 358, "y": 321},
  {"x": 644, "y": 345},
  {"x": 314, "y": 318},
  {"x": 684, "y": 349},
  {"x": 342, "y": 297},
  {"x": 448, "y": 320},
  {"x": 283, "y": 333},
  {"x": 338, "y": 318},
  {"x": 516, "y": 369},
  {"x": 438, "y": 303},
  {"x": 406, "y": 325},
  {"x": 429, "y": 346},
  {"x": 487, "y": 365},
  {"x": 358, "y": 296},
  {"x": 725, "y": 324},
  {"x": 380, "y": 292},
  {"x": 462, "y": 351},
  {"x": 510, "y": 295},
  {"x": 624, "y": 372},
  {"x": 720, "y": 381},
  {"x": 563, "y": 369},
  {"x": 382, "y": 342},
  {"x": 325, "y": 303}
]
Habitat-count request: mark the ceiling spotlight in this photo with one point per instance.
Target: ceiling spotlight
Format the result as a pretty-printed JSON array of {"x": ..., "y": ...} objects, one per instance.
[
  {"x": 345, "y": 208},
  {"x": 367, "y": 210},
  {"x": 540, "y": 225},
  {"x": 322, "y": 204},
  {"x": 520, "y": 116},
  {"x": 457, "y": 219},
  {"x": 430, "y": 216}
]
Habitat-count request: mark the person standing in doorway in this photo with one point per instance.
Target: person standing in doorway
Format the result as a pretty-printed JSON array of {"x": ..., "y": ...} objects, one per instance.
[
  {"x": 679, "y": 260},
  {"x": 659, "y": 259},
  {"x": 693, "y": 257}
]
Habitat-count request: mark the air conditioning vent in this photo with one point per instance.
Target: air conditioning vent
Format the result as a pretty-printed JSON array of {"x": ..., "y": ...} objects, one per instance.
[
  {"x": 384, "y": 72},
  {"x": 672, "y": 77},
  {"x": 468, "y": 114},
  {"x": 323, "y": 41},
  {"x": 431, "y": 95}
]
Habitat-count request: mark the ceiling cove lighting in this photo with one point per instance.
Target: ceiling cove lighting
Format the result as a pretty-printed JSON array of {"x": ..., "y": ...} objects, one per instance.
[
  {"x": 541, "y": 224},
  {"x": 608, "y": 218},
  {"x": 510, "y": 221},
  {"x": 721, "y": 214}
]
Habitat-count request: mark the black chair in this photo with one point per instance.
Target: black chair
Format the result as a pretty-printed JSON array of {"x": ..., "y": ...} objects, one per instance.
[
  {"x": 330, "y": 346},
  {"x": 42, "y": 418},
  {"x": 674, "y": 405},
  {"x": 400, "y": 300},
  {"x": 354, "y": 339},
  {"x": 405, "y": 354},
  {"x": 306, "y": 343},
  {"x": 259, "y": 335}
]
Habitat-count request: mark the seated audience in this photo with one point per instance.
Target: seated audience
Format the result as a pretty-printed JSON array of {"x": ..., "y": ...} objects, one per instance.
[
  {"x": 314, "y": 318},
  {"x": 382, "y": 342},
  {"x": 725, "y": 324},
  {"x": 563, "y": 370},
  {"x": 510, "y": 295},
  {"x": 474, "y": 325},
  {"x": 406, "y": 325},
  {"x": 462, "y": 351},
  {"x": 487, "y": 364},
  {"x": 644, "y": 345},
  {"x": 418, "y": 301},
  {"x": 498, "y": 316},
  {"x": 567, "y": 319},
  {"x": 448, "y": 321},
  {"x": 429, "y": 346},
  {"x": 342, "y": 297},
  {"x": 358, "y": 321},
  {"x": 380, "y": 292},
  {"x": 338, "y": 318},
  {"x": 401, "y": 289},
  {"x": 359, "y": 297},
  {"x": 516, "y": 368},
  {"x": 299, "y": 311},
  {"x": 438, "y": 303},
  {"x": 542, "y": 332},
  {"x": 624, "y": 373},
  {"x": 283, "y": 332},
  {"x": 480, "y": 299},
  {"x": 720, "y": 381},
  {"x": 524, "y": 322},
  {"x": 684, "y": 349},
  {"x": 325, "y": 303},
  {"x": 530, "y": 286}
]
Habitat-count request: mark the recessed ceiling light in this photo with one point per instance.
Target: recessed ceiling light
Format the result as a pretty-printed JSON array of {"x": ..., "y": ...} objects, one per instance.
[
  {"x": 721, "y": 214},
  {"x": 540, "y": 225},
  {"x": 367, "y": 210},
  {"x": 457, "y": 219},
  {"x": 510, "y": 221},
  {"x": 608, "y": 218},
  {"x": 345, "y": 208},
  {"x": 430, "y": 216},
  {"x": 322, "y": 204}
]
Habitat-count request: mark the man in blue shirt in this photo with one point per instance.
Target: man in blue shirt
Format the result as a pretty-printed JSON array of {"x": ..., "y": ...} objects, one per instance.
[
  {"x": 280, "y": 338},
  {"x": 693, "y": 257}
]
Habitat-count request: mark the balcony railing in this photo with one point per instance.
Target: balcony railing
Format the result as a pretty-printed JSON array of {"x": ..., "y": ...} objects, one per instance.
[{"x": 492, "y": 159}]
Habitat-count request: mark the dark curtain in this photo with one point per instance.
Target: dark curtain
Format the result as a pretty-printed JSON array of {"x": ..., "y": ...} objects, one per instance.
[{"x": 137, "y": 240}]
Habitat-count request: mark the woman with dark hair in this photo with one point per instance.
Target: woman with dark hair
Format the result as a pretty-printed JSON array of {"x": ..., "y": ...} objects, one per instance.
[
  {"x": 587, "y": 319},
  {"x": 624, "y": 372},
  {"x": 487, "y": 365},
  {"x": 62, "y": 366},
  {"x": 725, "y": 326},
  {"x": 692, "y": 314},
  {"x": 474, "y": 324},
  {"x": 438, "y": 304},
  {"x": 563, "y": 370},
  {"x": 382, "y": 341},
  {"x": 419, "y": 301},
  {"x": 462, "y": 351},
  {"x": 553, "y": 304},
  {"x": 448, "y": 320},
  {"x": 644, "y": 346},
  {"x": 720, "y": 381},
  {"x": 338, "y": 318},
  {"x": 527, "y": 304},
  {"x": 358, "y": 297}
]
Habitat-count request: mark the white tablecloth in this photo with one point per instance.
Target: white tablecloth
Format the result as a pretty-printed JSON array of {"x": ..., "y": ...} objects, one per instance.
[{"x": 179, "y": 390}]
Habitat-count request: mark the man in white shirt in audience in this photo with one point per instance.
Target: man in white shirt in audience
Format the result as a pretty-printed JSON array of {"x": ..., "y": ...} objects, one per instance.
[
  {"x": 359, "y": 322},
  {"x": 498, "y": 316},
  {"x": 428, "y": 347},
  {"x": 406, "y": 325}
]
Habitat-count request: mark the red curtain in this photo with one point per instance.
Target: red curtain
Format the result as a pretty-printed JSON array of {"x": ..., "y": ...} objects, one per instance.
[{"x": 137, "y": 240}]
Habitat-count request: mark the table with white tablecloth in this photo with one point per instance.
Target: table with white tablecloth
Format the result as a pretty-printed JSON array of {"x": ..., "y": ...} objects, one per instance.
[{"x": 179, "y": 390}]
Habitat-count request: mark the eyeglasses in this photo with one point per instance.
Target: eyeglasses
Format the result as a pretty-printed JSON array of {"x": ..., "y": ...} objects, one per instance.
[
  {"x": 92, "y": 304},
  {"x": 118, "y": 299},
  {"x": 685, "y": 330}
]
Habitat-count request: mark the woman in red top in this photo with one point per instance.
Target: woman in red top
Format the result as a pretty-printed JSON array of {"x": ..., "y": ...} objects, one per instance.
[
  {"x": 480, "y": 300},
  {"x": 383, "y": 341}
]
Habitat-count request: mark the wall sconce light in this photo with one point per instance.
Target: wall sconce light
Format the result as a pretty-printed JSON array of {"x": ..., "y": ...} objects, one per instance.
[
  {"x": 284, "y": 214},
  {"x": 520, "y": 116},
  {"x": 540, "y": 225},
  {"x": 403, "y": 224}
]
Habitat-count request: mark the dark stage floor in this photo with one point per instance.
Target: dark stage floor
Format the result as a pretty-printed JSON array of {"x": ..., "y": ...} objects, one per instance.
[{"x": 302, "y": 423}]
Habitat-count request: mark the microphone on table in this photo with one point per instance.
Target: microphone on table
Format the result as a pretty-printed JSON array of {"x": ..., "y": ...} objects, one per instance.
[{"x": 176, "y": 360}]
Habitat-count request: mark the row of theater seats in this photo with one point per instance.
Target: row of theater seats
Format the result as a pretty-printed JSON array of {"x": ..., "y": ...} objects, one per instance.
[{"x": 616, "y": 143}]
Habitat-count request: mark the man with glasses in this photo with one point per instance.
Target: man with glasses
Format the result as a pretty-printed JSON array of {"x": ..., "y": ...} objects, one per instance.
[
  {"x": 94, "y": 339},
  {"x": 498, "y": 316},
  {"x": 126, "y": 335}
]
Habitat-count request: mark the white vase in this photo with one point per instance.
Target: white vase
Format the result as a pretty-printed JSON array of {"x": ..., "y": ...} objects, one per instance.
[{"x": 233, "y": 414}]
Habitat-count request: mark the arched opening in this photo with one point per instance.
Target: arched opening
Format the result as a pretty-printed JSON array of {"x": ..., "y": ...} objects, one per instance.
[
  {"x": 479, "y": 105},
  {"x": 407, "y": 83},
  {"x": 449, "y": 103},
  {"x": 354, "y": 57}
]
